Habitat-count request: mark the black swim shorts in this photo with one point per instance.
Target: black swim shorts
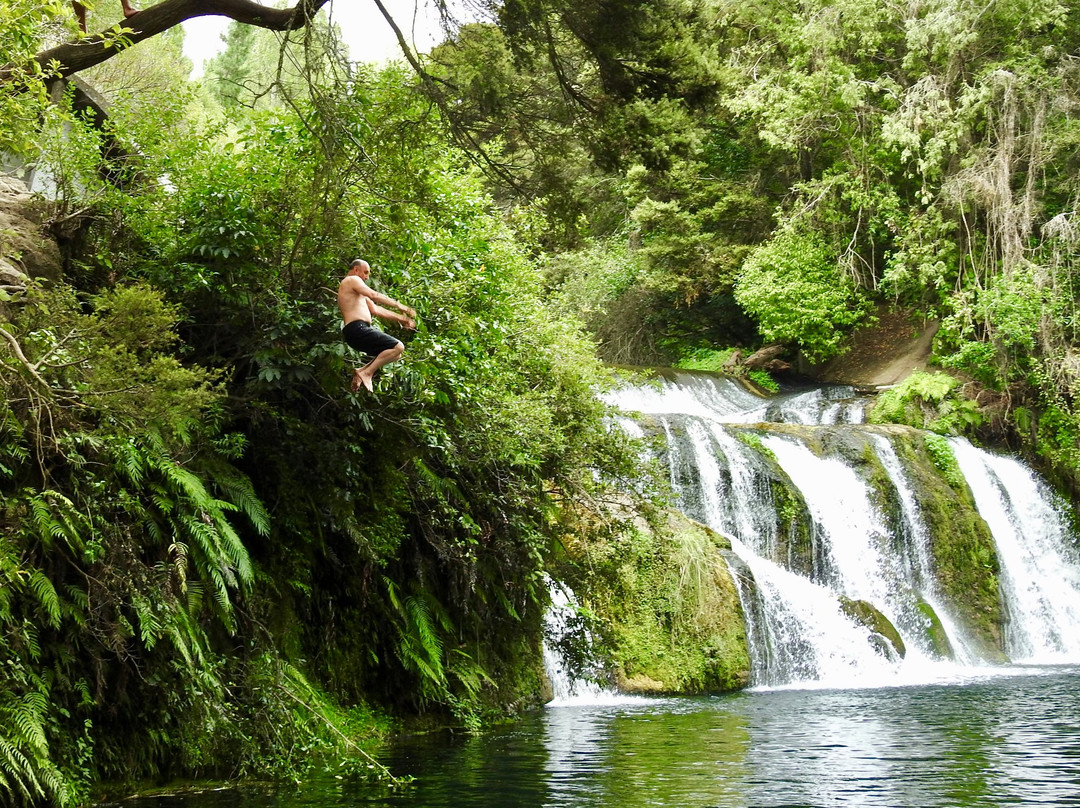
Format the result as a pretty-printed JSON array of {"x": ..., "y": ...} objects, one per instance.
[{"x": 367, "y": 339}]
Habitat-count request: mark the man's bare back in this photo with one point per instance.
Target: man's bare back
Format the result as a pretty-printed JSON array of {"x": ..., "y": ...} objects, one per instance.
[{"x": 358, "y": 303}]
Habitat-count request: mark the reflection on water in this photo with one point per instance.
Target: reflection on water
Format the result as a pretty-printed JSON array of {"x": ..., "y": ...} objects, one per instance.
[{"x": 1003, "y": 740}]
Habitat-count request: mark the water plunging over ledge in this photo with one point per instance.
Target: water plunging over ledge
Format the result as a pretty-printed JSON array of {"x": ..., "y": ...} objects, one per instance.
[{"x": 742, "y": 464}]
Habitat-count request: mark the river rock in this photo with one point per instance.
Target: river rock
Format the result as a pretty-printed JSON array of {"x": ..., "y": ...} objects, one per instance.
[{"x": 884, "y": 636}]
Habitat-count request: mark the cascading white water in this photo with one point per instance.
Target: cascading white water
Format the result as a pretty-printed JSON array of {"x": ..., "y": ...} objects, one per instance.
[
  {"x": 922, "y": 579},
  {"x": 568, "y": 689},
  {"x": 1040, "y": 570},
  {"x": 798, "y": 631}
]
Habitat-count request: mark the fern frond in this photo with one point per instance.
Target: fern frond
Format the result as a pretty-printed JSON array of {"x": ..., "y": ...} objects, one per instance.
[
  {"x": 29, "y": 637},
  {"x": 149, "y": 625},
  {"x": 19, "y": 771},
  {"x": 55, "y": 517},
  {"x": 444, "y": 488},
  {"x": 241, "y": 494},
  {"x": 43, "y": 588},
  {"x": 188, "y": 638},
  {"x": 130, "y": 461},
  {"x": 187, "y": 484},
  {"x": 392, "y": 593},
  {"x": 27, "y": 717},
  {"x": 421, "y": 642},
  {"x": 235, "y": 550},
  {"x": 46, "y": 524},
  {"x": 468, "y": 672},
  {"x": 178, "y": 552},
  {"x": 161, "y": 498},
  {"x": 194, "y": 596}
]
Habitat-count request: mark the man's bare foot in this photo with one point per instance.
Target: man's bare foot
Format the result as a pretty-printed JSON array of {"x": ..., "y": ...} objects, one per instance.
[
  {"x": 366, "y": 381},
  {"x": 356, "y": 380},
  {"x": 130, "y": 10}
]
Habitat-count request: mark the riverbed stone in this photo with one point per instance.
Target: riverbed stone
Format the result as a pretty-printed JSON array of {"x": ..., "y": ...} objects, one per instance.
[{"x": 884, "y": 637}]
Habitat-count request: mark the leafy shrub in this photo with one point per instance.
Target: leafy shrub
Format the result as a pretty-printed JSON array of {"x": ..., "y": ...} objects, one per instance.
[
  {"x": 927, "y": 401},
  {"x": 795, "y": 290}
]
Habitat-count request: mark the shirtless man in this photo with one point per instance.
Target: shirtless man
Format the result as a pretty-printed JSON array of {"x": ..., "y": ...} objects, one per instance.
[
  {"x": 358, "y": 302},
  {"x": 80, "y": 11}
]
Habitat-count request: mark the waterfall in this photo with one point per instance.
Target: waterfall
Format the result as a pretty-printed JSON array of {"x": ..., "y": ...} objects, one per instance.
[
  {"x": 917, "y": 538},
  {"x": 859, "y": 544},
  {"x": 567, "y": 688},
  {"x": 1040, "y": 574}
]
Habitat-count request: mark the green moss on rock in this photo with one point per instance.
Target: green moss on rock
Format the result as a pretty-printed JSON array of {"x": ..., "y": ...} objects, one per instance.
[
  {"x": 670, "y": 620},
  {"x": 961, "y": 545},
  {"x": 884, "y": 636},
  {"x": 935, "y": 631}
]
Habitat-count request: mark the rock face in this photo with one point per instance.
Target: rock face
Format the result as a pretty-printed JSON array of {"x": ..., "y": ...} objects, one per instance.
[
  {"x": 668, "y": 611},
  {"x": 26, "y": 250},
  {"x": 884, "y": 637}
]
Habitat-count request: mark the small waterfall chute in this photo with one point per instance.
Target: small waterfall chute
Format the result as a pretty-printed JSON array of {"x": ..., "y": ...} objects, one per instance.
[
  {"x": 1039, "y": 567},
  {"x": 568, "y": 687},
  {"x": 933, "y": 606}
]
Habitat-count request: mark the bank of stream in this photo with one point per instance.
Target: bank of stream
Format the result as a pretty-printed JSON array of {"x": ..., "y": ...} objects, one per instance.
[{"x": 999, "y": 737}]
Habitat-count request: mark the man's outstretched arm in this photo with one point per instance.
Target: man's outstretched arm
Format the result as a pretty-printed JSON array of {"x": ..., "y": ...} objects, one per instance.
[
  {"x": 405, "y": 319},
  {"x": 384, "y": 300}
]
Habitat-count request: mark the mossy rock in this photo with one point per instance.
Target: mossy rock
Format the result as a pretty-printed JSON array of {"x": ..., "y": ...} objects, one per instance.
[
  {"x": 935, "y": 632},
  {"x": 669, "y": 615},
  {"x": 961, "y": 545},
  {"x": 794, "y": 529},
  {"x": 884, "y": 637}
]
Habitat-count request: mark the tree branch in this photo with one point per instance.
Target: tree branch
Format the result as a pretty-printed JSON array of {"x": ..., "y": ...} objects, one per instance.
[{"x": 71, "y": 57}]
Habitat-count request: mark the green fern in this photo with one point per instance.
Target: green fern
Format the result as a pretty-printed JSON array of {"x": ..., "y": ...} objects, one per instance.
[
  {"x": 420, "y": 648},
  {"x": 43, "y": 588},
  {"x": 150, "y": 626},
  {"x": 56, "y": 518},
  {"x": 25, "y": 765}
]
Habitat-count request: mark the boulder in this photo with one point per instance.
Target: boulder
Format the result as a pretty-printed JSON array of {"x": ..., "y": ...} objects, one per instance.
[
  {"x": 884, "y": 637},
  {"x": 26, "y": 249}
]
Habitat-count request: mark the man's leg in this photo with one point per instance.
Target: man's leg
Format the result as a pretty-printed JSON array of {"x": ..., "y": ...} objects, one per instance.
[
  {"x": 129, "y": 10},
  {"x": 80, "y": 14},
  {"x": 364, "y": 375}
]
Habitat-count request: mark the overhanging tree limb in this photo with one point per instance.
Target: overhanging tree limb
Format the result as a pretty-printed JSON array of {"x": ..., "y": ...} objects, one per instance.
[{"x": 71, "y": 57}]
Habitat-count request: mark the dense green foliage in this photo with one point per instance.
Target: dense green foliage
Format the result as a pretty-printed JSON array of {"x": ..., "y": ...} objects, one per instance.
[
  {"x": 927, "y": 401},
  {"x": 721, "y": 173},
  {"x": 195, "y": 505},
  {"x": 21, "y": 26},
  {"x": 216, "y": 559}
]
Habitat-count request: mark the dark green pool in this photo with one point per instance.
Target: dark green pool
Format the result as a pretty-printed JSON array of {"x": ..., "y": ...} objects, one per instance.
[{"x": 1001, "y": 740}]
